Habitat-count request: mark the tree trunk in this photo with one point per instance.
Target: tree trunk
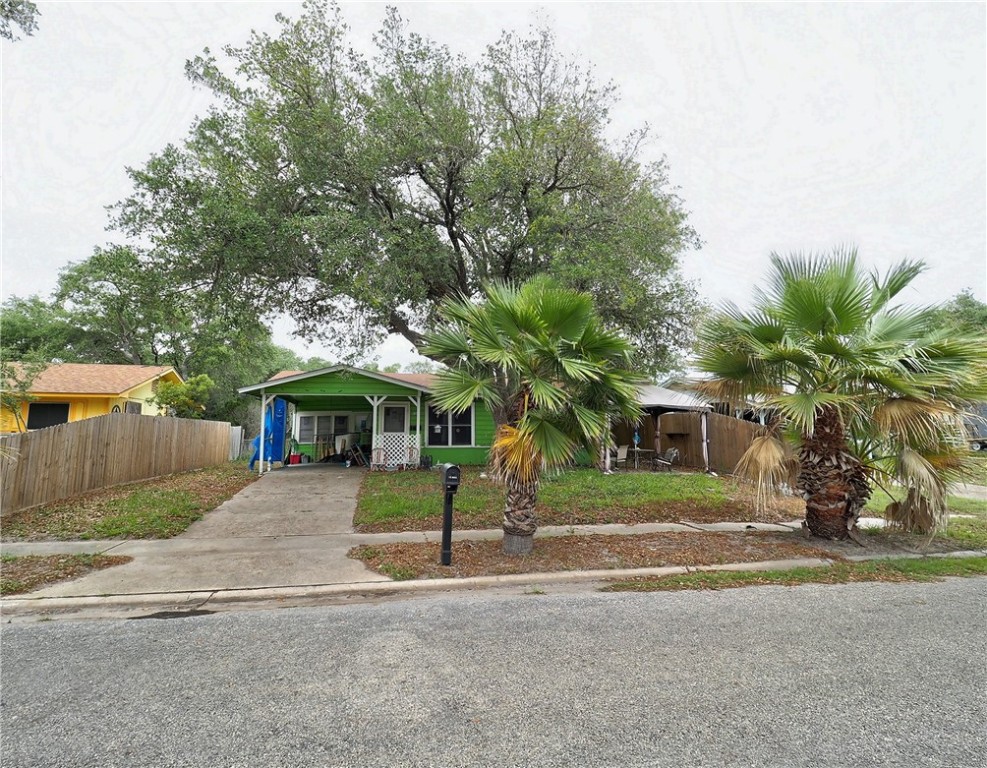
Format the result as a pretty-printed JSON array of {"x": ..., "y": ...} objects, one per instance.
[
  {"x": 519, "y": 518},
  {"x": 832, "y": 480}
]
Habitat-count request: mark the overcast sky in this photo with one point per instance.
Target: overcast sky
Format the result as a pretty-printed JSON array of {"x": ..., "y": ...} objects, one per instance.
[{"x": 786, "y": 126}]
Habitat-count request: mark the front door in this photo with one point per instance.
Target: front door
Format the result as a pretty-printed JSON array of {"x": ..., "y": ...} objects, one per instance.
[{"x": 394, "y": 434}]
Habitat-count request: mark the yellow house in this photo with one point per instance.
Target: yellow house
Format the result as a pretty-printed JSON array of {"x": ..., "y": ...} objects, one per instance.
[{"x": 65, "y": 392}]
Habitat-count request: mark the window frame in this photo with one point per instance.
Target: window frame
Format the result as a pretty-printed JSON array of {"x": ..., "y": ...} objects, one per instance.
[
  {"x": 352, "y": 420},
  {"x": 447, "y": 415},
  {"x": 44, "y": 404}
]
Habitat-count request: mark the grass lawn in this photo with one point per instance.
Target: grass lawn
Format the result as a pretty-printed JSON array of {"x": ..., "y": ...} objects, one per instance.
[
  {"x": 25, "y": 574},
  {"x": 957, "y": 504},
  {"x": 971, "y": 532},
  {"x": 930, "y": 569},
  {"x": 152, "y": 509},
  {"x": 979, "y": 460},
  {"x": 412, "y": 501}
]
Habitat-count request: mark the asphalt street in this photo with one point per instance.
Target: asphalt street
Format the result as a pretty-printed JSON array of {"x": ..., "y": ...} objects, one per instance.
[{"x": 856, "y": 675}]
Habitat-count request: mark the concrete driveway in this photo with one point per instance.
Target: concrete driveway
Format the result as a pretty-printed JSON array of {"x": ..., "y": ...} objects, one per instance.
[{"x": 290, "y": 528}]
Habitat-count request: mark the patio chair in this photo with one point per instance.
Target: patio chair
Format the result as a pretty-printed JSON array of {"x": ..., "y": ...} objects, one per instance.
[
  {"x": 378, "y": 458},
  {"x": 621, "y": 456},
  {"x": 664, "y": 461}
]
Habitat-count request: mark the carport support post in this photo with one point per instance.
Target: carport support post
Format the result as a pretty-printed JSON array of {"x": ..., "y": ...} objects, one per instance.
[
  {"x": 418, "y": 424},
  {"x": 374, "y": 401},
  {"x": 263, "y": 408}
]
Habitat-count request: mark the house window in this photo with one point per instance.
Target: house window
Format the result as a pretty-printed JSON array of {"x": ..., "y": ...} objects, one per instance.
[
  {"x": 132, "y": 407},
  {"x": 447, "y": 428},
  {"x": 314, "y": 427},
  {"x": 41, "y": 415}
]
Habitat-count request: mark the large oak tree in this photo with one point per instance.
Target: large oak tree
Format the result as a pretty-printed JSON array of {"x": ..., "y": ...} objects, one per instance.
[{"x": 358, "y": 194}]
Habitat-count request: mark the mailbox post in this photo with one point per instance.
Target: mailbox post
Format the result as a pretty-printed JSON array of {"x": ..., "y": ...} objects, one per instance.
[{"x": 449, "y": 476}]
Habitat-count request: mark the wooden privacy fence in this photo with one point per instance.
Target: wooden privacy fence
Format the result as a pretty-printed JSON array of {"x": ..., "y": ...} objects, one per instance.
[
  {"x": 59, "y": 462},
  {"x": 726, "y": 438}
]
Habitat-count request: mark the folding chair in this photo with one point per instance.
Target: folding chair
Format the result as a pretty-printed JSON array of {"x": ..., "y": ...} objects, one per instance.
[{"x": 664, "y": 461}]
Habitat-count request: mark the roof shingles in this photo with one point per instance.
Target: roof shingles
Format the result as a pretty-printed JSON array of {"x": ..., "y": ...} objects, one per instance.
[{"x": 94, "y": 379}]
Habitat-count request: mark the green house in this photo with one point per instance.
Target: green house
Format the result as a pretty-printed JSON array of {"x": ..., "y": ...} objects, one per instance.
[{"x": 391, "y": 415}]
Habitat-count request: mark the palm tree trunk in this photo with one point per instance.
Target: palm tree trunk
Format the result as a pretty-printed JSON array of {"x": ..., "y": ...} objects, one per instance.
[
  {"x": 831, "y": 479},
  {"x": 519, "y": 518}
]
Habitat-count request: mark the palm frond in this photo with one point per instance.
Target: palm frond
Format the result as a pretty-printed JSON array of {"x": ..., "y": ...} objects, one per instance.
[
  {"x": 547, "y": 395},
  {"x": 456, "y": 389},
  {"x": 768, "y": 464},
  {"x": 895, "y": 281},
  {"x": 914, "y": 422},
  {"x": 923, "y": 509},
  {"x": 514, "y": 456},
  {"x": 449, "y": 345},
  {"x": 548, "y": 436},
  {"x": 592, "y": 423},
  {"x": 579, "y": 368},
  {"x": 801, "y": 408}
]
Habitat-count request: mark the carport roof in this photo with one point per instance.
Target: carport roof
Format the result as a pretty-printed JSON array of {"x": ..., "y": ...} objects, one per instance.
[{"x": 653, "y": 396}]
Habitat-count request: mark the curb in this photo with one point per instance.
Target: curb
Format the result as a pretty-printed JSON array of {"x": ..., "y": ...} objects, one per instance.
[{"x": 313, "y": 593}]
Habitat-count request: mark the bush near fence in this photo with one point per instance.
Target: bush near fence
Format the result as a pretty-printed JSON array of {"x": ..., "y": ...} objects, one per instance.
[{"x": 55, "y": 463}]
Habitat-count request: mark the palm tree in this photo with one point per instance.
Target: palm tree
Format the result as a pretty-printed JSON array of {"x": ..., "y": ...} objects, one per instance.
[
  {"x": 552, "y": 375},
  {"x": 864, "y": 388}
]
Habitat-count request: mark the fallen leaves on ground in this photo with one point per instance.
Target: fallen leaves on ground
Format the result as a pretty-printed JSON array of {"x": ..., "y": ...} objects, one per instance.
[
  {"x": 28, "y": 573},
  {"x": 571, "y": 553}
]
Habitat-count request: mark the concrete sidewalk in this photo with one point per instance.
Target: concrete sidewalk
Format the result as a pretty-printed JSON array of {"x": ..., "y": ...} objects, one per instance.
[{"x": 286, "y": 535}]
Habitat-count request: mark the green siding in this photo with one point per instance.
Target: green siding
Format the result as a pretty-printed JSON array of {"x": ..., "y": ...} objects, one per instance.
[
  {"x": 458, "y": 455},
  {"x": 329, "y": 403},
  {"x": 340, "y": 383},
  {"x": 484, "y": 425}
]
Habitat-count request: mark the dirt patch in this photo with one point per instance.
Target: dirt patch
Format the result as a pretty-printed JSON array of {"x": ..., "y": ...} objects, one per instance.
[
  {"x": 571, "y": 553},
  {"x": 26, "y": 574},
  {"x": 878, "y": 542}
]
